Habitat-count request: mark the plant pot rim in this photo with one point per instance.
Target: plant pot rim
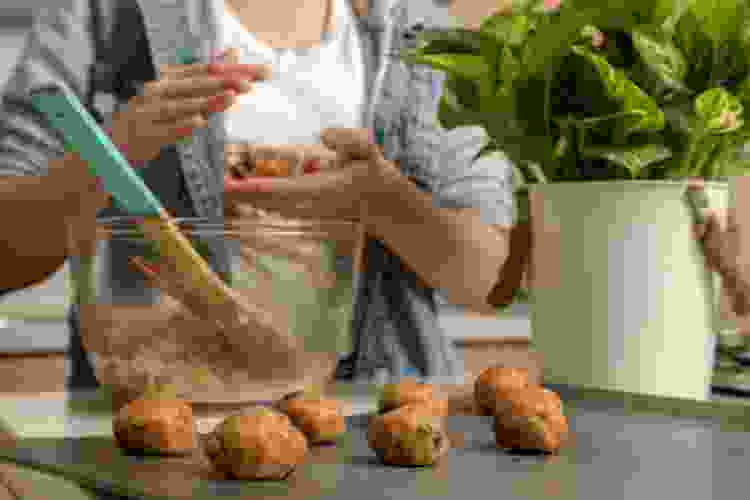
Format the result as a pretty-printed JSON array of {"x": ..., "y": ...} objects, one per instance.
[{"x": 628, "y": 184}]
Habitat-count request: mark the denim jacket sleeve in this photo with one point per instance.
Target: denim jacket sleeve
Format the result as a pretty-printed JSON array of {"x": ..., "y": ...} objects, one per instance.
[
  {"x": 445, "y": 161},
  {"x": 58, "y": 49}
]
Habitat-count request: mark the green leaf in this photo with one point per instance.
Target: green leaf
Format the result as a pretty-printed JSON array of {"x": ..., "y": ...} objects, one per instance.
[
  {"x": 721, "y": 20},
  {"x": 458, "y": 105},
  {"x": 697, "y": 48},
  {"x": 668, "y": 12},
  {"x": 507, "y": 30},
  {"x": 450, "y": 41},
  {"x": 719, "y": 111},
  {"x": 510, "y": 71},
  {"x": 731, "y": 158},
  {"x": 633, "y": 158},
  {"x": 559, "y": 32},
  {"x": 663, "y": 60},
  {"x": 491, "y": 52},
  {"x": 643, "y": 114},
  {"x": 468, "y": 66}
]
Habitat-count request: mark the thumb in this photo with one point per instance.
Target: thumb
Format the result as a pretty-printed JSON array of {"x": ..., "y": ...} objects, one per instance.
[
  {"x": 701, "y": 229},
  {"x": 231, "y": 55},
  {"x": 351, "y": 143}
]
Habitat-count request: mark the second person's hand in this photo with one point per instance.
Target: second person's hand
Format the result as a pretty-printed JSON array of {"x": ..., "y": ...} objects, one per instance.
[{"x": 718, "y": 237}]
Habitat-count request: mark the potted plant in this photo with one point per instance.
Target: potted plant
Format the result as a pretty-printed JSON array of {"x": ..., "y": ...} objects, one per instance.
[{"x": 605, "y": 109}]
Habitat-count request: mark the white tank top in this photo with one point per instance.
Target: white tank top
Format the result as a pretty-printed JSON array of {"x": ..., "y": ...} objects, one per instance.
[{"x": 311, "y": 88}]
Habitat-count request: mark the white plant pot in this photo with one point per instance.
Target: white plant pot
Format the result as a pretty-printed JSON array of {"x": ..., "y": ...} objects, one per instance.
[{"x": 621, "y": 297}]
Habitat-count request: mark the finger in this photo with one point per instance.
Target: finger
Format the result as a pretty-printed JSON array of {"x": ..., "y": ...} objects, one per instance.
[
  {"x": 711, "y": 226},
  {"x": 166, "y": 111},
  {"x": 299, "y": 188},
  {"x": 717, "y": 220},
  {"x": 699, "y": 231},
  {"x": 244, "y": 169},
  {"x": 232, "y": 160},
  {"x": 236, "y": 164},
  {"x": 194, "y": 87},
  {"x": 351, "y": 143},
  {"x": 228, "y": 66},
  {"x": 237, "y": 148},
  {"x": 183, "y": 70},
  {"x": 231, "y": 56},
  {"x": 182, "y": 128},
  {"x": 253, "y": 72},
  {"x": 732, "y": 225}
]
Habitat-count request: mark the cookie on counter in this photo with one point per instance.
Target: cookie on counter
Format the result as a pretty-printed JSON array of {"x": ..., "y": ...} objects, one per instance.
[
  {"x": 493, "y": 385},
  {"x": 408, "y": 436},
  {"x": 156, "y": 423},
  {"x": 533, "y": 421},
  {"x": 321, "y": 420},
  {"x": 258, "y": 444},
  {"x": 405, "y": 392}
]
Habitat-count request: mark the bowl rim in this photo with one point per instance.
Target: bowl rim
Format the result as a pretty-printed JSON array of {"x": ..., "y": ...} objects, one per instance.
[{"x": 128, "y": 226}]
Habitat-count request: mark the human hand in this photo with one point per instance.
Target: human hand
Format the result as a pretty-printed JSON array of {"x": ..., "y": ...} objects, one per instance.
[
  {"x": 718, "y": 236},
  {"x": 716, "y": 232},
  {"x": 285, "y": 160},
  {"x": 179, "y": 102},
  {"x": 359, "y": 172}
]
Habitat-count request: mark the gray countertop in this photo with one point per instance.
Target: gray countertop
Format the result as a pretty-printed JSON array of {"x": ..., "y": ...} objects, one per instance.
[{"x": 623, "y": 447}]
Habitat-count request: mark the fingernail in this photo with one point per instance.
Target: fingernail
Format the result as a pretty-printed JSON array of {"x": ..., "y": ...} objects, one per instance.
[
  {"x": 99, "y": 183},
  {"x": 217, "y": 103},
  {"x": 311, "y": 167},
  {"x": 148, "y": 270},
  {"x": 185, "y": 132}
]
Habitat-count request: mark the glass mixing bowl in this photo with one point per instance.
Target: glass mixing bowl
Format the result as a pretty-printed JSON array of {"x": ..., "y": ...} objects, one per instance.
[{"x": 296, "y": 273}]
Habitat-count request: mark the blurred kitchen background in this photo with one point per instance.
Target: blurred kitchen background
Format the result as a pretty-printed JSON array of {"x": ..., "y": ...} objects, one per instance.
[{"x": 32, "y": 321}]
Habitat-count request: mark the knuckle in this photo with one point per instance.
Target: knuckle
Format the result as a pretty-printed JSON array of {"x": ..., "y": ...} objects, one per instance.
[
  {"x": 151, "y": 87},
  {"x": 198, "y": 121}
]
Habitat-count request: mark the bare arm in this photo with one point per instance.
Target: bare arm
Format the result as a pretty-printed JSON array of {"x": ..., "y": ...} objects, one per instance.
[
  {"x": 40, "y": 185},
  {"x": 458, "y": 238},
  {"x": 33, "y": 216},
  {"x": 450, "y": 249}
]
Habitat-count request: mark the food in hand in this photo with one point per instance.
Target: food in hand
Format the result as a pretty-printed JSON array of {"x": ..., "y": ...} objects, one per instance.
[
  {"x": 321, "y": 420},
  {"x": 408, "y": 436},
  {"x": 534, "y": 421},
  {"x": 493, "y": 385},
  {"x": 272, "y": 167},
  {"x": 258, "y": 444},
  {"x": 157, "y": 422},
  {"x": 406, "y": 392}
]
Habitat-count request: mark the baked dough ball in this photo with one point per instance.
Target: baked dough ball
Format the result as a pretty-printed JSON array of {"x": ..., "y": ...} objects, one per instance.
[
  {"x": 534, "y": 421},
  {"x": 493, "y": 385},
  {"x": 408, "y": 436},
  {"x": 321, "y": 420},
  {"x": 405, "y": 392},
  {"x": 260, "y": 443},
  {"x": 159, "y": 425}
]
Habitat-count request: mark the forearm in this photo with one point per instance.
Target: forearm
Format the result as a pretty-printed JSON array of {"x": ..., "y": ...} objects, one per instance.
[
  {"x": 32, "y": 221},
  {"x": 452, "y": 250}
]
